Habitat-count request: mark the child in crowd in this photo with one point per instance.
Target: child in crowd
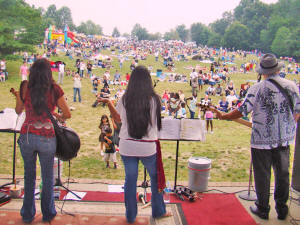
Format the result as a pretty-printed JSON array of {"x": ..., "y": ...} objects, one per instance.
[
  {"x": 182, "y": 111},
  {"x": 208, "y": 114},
  {"x": 165, "y": 99},
  {"x": 200, "y": 80},
  {"x": 174, "y": 104},
  {"x": 110, "y": 151},
  {"x": 104, "y": 124},
  {"x": 95, "y": 86},
  {"x": 2, "y": 76},
  {"x": 223, "y": 104},
  {"x": 193, "y": 105}
]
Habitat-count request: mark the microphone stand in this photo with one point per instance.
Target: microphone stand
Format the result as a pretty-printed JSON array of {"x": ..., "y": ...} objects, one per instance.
[
  {"x": 58, "y": 182},
  {"x": 145, "y": 184},
  {"x": 249, "y": 196}
]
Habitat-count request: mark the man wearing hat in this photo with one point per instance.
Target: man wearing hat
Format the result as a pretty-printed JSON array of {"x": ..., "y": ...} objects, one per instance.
[{"x": 276, "y": 110}]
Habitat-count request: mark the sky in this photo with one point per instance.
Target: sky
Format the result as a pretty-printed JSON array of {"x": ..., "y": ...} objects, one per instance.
[{"x": 155, "y": 15}]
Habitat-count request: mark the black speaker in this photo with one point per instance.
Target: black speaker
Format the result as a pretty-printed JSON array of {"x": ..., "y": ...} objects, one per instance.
[{"x": 296, "y": 167}]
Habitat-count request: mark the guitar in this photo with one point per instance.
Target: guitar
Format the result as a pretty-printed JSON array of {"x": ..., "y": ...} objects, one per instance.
[{"x": 207, "y": 105}]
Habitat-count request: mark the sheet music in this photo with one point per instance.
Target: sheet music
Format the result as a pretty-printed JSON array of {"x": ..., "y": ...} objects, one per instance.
[
  {"x": 184, "y": 129},
  {"x": 170, "y": 129},
  {"x": 192, "y": 129},
  {"x": 9, "y": 119}
]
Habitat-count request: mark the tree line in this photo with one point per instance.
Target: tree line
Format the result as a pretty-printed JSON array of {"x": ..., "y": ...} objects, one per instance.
[{"x": 251, "y": 25}]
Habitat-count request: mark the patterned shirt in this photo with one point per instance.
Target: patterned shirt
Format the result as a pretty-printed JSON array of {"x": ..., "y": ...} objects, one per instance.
[
  {"x": 273, "y": 123},
  {"x": 40, "y": 124}
]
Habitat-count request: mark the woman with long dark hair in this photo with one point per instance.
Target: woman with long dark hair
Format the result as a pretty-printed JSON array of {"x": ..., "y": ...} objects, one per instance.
[
  {"x": 139, "y": 111},
  {"x": 37, "y": 135}
]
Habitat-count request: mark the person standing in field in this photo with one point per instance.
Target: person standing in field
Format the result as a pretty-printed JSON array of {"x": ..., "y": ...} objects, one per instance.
[
  {"x": 61, "y": 73},
  {"x": 24, "y": 70},
  {"x": 77, "y": 87}
]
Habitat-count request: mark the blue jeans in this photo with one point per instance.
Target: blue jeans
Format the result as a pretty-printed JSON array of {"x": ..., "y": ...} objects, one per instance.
[
  {"x": 192, "y": 114},
  {"x": 131, "y": 173},
  {"x": 77, "y": 90},
  {"x": 32, "y": 145}
]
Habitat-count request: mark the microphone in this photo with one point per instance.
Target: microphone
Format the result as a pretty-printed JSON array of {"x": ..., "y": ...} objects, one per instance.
[{"x": 141, "y": 197}]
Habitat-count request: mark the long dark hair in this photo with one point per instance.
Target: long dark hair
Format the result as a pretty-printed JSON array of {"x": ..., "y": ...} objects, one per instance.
[
  {"x": 137, "y": 102},
  {"x": 101, "y": 120},
  {"x": 40, "y": 82}
]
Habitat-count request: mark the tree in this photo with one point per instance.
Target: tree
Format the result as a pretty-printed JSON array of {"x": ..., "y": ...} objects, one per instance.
[
  {"x": 126, "y": 35},
  {"x": 200, "y": 33},
  {"x": 294, "y": 43},
  {"x": 280, "y": 44},
  {"x": 182, "y": 32},
  {"x": 171, "y": 35},
  {"x": 237, "y": 36},
  {"x": 21, "y": 27},
  {"x": 156, "y": 36},
  {"x": 89, "y": 28},
  {"x": 215, "y": 40},
  {"x": 115, "y": 32},
  {"x": 51, "y": 13},
  {"x": 265, "y": 41},
  {"x": 139, "y": 32},
  {"x": 255, "y": 15},
  {"x": 64, "y": 17},
  {"x": 219, "y": 26}
]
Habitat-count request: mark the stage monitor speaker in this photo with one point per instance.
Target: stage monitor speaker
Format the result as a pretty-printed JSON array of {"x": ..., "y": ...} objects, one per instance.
[{"x": 296, "y": 167}]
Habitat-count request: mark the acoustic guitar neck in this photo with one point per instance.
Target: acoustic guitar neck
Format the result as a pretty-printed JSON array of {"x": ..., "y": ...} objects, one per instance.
[{"x": 208, "y": 105}]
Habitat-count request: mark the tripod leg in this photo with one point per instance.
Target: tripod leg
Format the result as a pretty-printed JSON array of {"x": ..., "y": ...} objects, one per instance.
[{"x": 58, "y": 182}]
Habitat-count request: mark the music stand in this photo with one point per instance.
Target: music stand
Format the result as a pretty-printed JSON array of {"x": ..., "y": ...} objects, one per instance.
[
  {"x": 58, "y": 182},
  {"x": 249, "y": 195},
  {"x": 14, "y": 156}
]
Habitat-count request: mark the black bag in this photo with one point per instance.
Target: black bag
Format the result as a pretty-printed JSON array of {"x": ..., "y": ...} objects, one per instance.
[{"x": 67, "y": 140}]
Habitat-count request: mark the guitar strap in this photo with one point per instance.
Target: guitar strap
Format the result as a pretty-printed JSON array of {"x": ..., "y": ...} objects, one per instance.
[{"x": 285, "y": 93}]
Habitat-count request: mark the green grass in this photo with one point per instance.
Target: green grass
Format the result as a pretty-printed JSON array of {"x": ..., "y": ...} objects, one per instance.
[{"x": 228, "y": 147}]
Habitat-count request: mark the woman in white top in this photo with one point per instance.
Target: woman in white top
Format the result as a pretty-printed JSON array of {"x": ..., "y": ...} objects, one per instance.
[{"x": 139, "y": 111}]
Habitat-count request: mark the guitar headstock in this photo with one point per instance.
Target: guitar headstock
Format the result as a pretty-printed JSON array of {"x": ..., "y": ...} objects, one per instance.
[
  {"x": 12, "y": 90},
  {"x": 205, "y": 104}
]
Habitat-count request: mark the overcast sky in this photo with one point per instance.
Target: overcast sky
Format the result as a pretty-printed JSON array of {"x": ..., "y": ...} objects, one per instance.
[{"x": 154, "y": 15}]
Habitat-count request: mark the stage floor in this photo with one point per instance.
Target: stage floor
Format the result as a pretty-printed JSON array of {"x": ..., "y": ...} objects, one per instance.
[{"x": 104, "y": 186}]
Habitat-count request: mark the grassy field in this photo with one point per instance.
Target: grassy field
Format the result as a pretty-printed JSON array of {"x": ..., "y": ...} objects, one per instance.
[{"x": 228, "y": 146}]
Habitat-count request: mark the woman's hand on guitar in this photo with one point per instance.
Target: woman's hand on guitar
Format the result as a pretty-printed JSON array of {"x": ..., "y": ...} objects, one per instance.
[{"x": 104, "y": 100}]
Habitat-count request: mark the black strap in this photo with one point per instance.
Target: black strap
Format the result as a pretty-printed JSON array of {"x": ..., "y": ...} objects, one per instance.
[
  {"x": 285, "y": 94},
  {"x": 54, "y": 122}
]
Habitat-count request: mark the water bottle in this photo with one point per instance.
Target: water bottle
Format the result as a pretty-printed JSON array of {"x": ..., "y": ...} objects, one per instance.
[{"x": 167, "y": 192}]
